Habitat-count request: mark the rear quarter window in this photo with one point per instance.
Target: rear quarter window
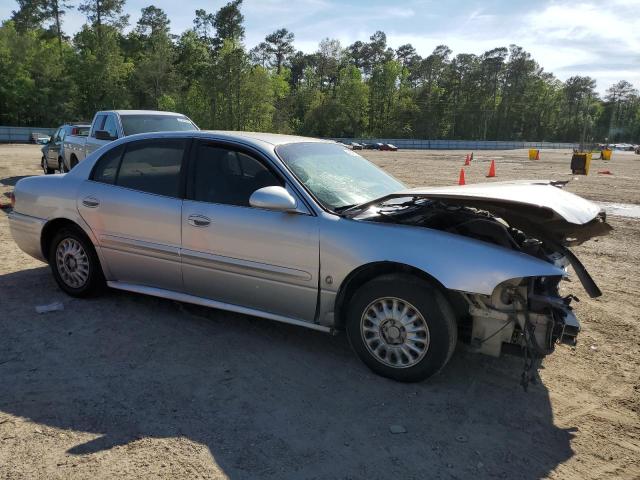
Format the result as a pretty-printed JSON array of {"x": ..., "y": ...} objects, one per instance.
[{"x": 106, "y": 167}]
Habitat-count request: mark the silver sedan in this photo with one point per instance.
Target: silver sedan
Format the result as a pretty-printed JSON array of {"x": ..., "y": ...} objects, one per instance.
[{"x": 308, "y": 232}]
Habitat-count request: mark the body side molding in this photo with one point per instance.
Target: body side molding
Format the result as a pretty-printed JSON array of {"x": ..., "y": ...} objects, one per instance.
[{"x": 205, "y": 302}]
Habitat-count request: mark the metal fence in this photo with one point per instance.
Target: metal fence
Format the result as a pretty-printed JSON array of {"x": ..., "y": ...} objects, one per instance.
[
  {"x": 413, "y": 144},
  {"x": 22, "y": 134}
]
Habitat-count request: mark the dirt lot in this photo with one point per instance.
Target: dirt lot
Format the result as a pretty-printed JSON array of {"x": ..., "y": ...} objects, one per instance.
[{"x": 127, "y": 386}]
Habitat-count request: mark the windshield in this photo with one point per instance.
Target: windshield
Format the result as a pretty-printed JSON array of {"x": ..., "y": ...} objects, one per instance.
[
  {"x": 133, "y": 124},
  {"x": 336, "y": 176}
]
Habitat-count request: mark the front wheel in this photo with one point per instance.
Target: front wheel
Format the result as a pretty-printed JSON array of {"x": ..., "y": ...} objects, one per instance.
[
  {"x": 401, "y": 327},
  {"x": 74, "y": 263}
]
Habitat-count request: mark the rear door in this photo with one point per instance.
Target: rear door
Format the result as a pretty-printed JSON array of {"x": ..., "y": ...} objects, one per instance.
[
  {"x": 237, "y": 254},
  {"x": 133, "y": 204}
]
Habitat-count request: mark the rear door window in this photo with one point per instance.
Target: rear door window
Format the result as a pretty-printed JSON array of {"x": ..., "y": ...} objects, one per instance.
[{"x": 152, "y": 167}]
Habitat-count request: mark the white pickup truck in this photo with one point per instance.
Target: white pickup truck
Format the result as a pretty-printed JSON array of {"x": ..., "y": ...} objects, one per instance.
[{"x": 109, "y": 125}]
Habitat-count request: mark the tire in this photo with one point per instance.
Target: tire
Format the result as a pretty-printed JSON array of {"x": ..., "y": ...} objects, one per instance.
[
  {"x": 62, "y": 168},
  {"x": 45, "y": 166},
  {"x": 387, "y": 345},
  {"x": 74, "y": 263},
  {"x": 73, "y": 162}
]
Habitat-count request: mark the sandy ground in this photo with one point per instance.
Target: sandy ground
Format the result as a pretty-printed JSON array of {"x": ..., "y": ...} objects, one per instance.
[{"x": 127, "y": 386}]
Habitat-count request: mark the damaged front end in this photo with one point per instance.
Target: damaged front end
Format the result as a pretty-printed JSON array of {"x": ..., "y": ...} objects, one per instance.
[{"x": 523, "y": 315}]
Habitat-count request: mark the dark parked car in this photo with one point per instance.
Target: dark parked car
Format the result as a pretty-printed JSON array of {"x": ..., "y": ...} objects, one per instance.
[
  {"x": 372, "y": 146},
  {"x": 53, "y": 150},
  {"x": 356, "y": 146},
  {"x": 389, "y": 147}
]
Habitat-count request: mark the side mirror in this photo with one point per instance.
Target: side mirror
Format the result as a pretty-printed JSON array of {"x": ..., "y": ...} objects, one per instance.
[
  {"x": 273, "y": 198},
  {"x": 104, "y": 135}
]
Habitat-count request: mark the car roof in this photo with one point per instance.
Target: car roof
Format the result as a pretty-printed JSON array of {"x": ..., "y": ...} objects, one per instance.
[
  {"x": 141, "y": 112},
  {"x": 253, "y": 138},
  {"x": 271, "y": 138}
]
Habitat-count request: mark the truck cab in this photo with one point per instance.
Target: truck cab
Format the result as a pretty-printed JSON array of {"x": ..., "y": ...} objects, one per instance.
[
  {"x": 110, "y": 125},
  {"x": 105, "y": 128}
]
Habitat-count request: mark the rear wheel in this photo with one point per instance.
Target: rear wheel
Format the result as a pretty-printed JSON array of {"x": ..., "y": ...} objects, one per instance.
[
  {"x": 45, "y": 166},
  {"x": 62, "y": 168},
  {"x": 401, "y": 327},
  {"x": 74, "y": 263}
]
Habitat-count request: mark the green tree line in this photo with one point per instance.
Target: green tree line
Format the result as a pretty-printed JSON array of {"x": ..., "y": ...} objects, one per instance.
[{"x": 366, "y": 89}]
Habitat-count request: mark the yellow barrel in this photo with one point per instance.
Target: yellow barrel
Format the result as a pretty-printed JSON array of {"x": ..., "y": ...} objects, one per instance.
[
  {"x": 606, "y": 154},
  {"x": 534, "y": 154}
]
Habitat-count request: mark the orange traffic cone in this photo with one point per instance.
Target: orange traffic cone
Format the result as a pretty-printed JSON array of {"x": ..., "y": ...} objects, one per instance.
[
  {"x": 537, "y": 154},
  {"x": 467, "y": 161},
  {"x": 492, "y": 169},
  {"x": 461, "y": 179}
]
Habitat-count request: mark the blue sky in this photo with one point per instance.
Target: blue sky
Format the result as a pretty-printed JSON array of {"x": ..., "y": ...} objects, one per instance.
[{"x": 592, "y": 37}]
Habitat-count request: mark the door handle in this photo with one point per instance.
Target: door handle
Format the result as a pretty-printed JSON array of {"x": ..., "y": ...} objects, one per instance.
[
  {"x": 90, "y": 202},
  {"x": 198, "y": 220}
]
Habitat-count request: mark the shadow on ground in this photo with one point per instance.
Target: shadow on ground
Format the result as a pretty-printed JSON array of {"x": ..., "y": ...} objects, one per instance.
[
  {"x": 11, "y": 181},
  {"x": 269, "y": 400}
]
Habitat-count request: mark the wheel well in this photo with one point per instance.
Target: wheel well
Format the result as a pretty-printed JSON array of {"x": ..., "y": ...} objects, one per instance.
[
  {"x": 363, "y": 274},
  {"x": 50, "y": 229}
]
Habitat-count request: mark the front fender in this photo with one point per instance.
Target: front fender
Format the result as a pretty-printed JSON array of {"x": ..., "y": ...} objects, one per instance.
[{"x": 458, "y": 263}]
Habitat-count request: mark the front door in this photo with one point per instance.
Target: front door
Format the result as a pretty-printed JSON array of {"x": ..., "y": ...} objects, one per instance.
[
  {"x": 133, "y": 205},
  {"x": 54, "y": 148},
  {"x": 237, "y": 254}
]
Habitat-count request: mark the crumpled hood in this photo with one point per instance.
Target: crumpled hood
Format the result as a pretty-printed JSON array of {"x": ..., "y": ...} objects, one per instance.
[
  {"x": 540, "y": 194},
  {"x": 537, "y": 209}
]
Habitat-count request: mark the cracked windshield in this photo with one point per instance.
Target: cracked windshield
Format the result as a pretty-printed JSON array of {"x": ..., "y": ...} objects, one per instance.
[{"x": 337, "y": 177}]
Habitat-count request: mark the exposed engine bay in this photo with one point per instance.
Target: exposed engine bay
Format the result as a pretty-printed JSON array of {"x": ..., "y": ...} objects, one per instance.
[{"x": 526, "y": 316}]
